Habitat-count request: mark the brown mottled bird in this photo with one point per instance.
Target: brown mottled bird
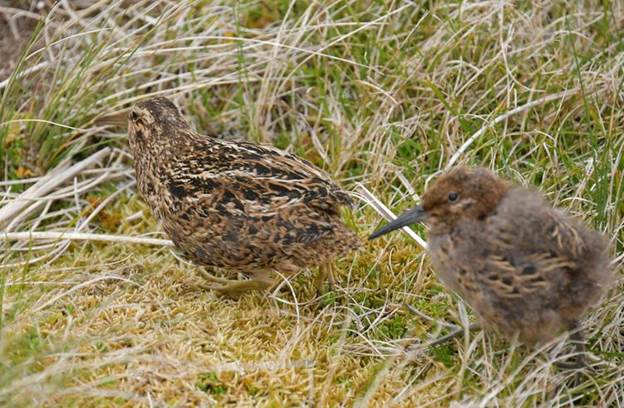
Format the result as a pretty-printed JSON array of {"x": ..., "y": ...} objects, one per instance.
[
  {"x": 525, "y": 267},
  {"x": 236, "y": 205}
]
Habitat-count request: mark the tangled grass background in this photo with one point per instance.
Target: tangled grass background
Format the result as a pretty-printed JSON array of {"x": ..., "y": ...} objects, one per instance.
[{"x": 96, "y": 310}]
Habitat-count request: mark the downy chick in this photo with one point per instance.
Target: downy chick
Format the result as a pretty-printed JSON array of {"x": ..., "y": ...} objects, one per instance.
[{"x": 525, "y": 267}]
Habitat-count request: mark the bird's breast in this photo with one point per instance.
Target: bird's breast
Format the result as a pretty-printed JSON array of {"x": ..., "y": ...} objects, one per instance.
[{"x": 441, "y": 249}]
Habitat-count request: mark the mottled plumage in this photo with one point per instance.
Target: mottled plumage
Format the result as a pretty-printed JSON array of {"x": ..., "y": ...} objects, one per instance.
[
  {"x": 525, "y": 267},
  {"x": 235, "y": 205}
]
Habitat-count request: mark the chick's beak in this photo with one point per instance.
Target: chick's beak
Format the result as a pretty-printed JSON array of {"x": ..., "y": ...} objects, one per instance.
[{"x": 411, "y": 216}]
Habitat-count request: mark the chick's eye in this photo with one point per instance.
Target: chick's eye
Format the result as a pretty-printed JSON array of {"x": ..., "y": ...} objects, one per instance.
[
  {"x": 452, "y": 197},
  {"x": 134, "y": 116}
]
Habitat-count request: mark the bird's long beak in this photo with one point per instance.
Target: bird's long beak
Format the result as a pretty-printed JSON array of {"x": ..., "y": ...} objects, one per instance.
[{"x": 411, "y": 216}]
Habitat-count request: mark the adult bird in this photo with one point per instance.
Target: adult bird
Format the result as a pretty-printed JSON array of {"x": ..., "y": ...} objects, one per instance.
[{"x": 236, "y": 205}]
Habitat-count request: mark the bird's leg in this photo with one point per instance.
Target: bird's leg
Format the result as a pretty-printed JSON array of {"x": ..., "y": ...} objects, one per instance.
[
  {"x": 579, "y": 345},
  {"x": 578, "y": 339},
  {"x": 326, "y": 273},
  {"x": 210, "y": 277}
]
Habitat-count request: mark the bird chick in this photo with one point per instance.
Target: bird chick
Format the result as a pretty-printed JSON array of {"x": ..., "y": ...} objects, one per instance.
[
  {"x": 235, "y": 205},
  {"x": 526, "y": 268}
]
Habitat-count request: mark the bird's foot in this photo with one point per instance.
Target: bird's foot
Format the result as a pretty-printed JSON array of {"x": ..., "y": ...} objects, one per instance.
[
  {"x": 236, "y": 288},
  {"x": 455, "y": 332},
  {"x": 580, "y": 359},
  {"x": 577, "y": 363}
]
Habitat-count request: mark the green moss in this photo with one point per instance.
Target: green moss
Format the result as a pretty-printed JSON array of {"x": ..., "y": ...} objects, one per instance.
[
  {"x": 444, "y": 354},
  {"x": 210, "y": 383},
  {"x": 282, "y": 141},
  {"x": 393, "y": 328},
  {"x": 328, "y": 299}
]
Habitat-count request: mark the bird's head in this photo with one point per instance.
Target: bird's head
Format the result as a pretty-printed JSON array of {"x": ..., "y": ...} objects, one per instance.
[
  {"x": 463, "y": 193},
  {"x": 154, "y": 122}
]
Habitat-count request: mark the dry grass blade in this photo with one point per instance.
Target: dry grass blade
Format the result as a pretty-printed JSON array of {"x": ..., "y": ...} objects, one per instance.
[
  {"x": 47, "y": 184},
  {"x": 81, "y": 236},
  {"x": 385, "y": 212},
  {"x": 501, "y": 118}
]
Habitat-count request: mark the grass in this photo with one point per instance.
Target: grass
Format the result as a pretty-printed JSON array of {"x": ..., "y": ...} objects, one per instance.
[{"x": 382, "y": 93}]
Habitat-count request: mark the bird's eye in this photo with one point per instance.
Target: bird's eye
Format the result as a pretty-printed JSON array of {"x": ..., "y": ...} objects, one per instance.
[
  {"x": 452, "y": 197},
  {"x": 134, "y": 116}
]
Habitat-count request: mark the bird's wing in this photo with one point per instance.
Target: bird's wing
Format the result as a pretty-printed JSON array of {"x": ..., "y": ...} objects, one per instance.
[
  {"x": 284, "y": 167},
  {"x": 263, "y": 174},
  {"x": 532, "y": 246},
  {"x": 253, "y": 179},
  {"x": 538, "y": 227}
]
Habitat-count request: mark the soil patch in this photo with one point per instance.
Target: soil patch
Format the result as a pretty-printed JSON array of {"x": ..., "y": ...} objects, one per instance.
[{"x": 15, "y": 32}]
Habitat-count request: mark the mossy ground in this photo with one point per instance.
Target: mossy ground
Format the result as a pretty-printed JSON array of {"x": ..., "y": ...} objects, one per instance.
[{"x": 382, "y": 94}]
